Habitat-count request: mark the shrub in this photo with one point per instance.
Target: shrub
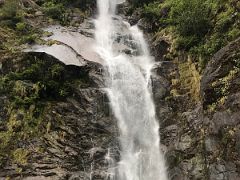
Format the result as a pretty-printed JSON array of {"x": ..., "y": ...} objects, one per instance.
[
  {"x": 9, "y": 9},
  {"x": 83, "y": 4},
  {"x": 140, "y": 2},
  {"x": 29, "y": 38},
  {"x": 57, "y": 71},
  {"x": 53, "y": 10},
  {"x": 224, "y": 21},
  {"x": 152, "y": 11},
  {"x": 191, "y": 17},
  {"x": 21, "y": 27},
  {"x": 9, "y": 13},
  {"x": 186, "y": 42},
  {"x": 233, "y": 33}
]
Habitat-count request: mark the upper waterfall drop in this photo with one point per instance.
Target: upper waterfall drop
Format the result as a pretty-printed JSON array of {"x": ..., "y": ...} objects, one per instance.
[{"x": 129, "y": 64}]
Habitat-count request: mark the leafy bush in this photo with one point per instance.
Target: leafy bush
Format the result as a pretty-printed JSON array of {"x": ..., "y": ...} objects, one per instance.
[
  {"x": 201, "y": 27},
  {"x": 9, "y": 15},
  {"x": 152, "y": 11},
  {"x": 9, "y": 9},
  {"x": 53, "y": 10},
  {"x": 191, "y": 17},
  {"x": 29, "y": 38},
  {"x": 57, "y": 10},
  {"x": 186, "y": 42},
  {"x": 21, "y": 27},
  {"x": 83, "y": 4},
  {"x": 224, "y": 21},
  {"x": 140, "y": 2},
  {"x": 233, "y": 33},
  {"x": 57, "y": 71},
  {"x": 50, "y": 81}
]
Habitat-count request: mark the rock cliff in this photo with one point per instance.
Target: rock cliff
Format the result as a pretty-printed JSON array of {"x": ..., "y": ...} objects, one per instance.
[{"x": 55, "y": 117}]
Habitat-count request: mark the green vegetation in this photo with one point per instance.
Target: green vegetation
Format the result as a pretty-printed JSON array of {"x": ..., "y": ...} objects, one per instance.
[
  {"x": 61, "y": 9},
  {"x": 40, "y": 81},
  {"x": 21, "y": 27},
  {"x": 37, "y": 81},
  {"x": 20, "y": 156},
  {"x": 32, "y": 84},
  {"x": 56, "y": 11},
  {"x": 190, "y": 17},
  {"x": 18, "y": 26},
  {"x": 82, "y": 4},
  {"x": 53, "y": 10},
  {"x": 222, "y": 88},
  {"x": 200, "y": 27},
  {"x": 15, "y": 29},
  {"x": 137, "y": 3},
  {"x": 30, "y": 89},
  {"x": 23, "y": 125},
  {"x": 10, "y": 13}
]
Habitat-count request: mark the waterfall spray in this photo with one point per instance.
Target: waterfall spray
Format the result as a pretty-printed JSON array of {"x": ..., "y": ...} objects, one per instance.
[{"x": 130, "y": 97}]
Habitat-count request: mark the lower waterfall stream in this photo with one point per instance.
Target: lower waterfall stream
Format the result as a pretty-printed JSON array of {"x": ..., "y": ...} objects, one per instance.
[{"x": 129, "y": 64}]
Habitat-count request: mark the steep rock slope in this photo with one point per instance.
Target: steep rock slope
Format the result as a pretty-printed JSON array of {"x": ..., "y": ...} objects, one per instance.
[
  {"x": 55, "y": 120},
  {"x": 202, "y": 137}
]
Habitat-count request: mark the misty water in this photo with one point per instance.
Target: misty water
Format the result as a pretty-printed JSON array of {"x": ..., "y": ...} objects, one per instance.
[{"x": 129, "y": 64}]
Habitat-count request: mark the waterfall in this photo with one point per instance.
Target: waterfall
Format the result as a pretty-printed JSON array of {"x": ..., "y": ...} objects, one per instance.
[{"x": 129, "y": 64}]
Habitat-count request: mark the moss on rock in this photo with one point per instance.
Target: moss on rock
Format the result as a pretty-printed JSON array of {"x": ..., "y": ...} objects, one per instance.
[{"x": 30, "y": 86}]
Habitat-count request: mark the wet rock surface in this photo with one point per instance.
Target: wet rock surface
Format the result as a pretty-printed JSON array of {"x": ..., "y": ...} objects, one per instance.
[
  {"x": 73, "y": 45},
  {"x": 78, "y": 130},
  {"x": 202, "y": 137}
]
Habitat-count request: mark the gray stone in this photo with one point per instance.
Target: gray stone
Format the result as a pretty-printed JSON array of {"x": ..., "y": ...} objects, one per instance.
[
  {"x": 211, "y": 144},
  {"x": 69, "y": 46},
  {"x": 223, "y": 119},
  {"x": 184, "y": 143},
  {"x": 39, "y": 13}
]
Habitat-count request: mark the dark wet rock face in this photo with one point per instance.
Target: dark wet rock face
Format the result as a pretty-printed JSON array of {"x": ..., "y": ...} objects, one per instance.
[
  {"x": 221, "y": 74},
  {"x": 77, "y": 128},
  {"x": 220, "y": 94},
  {"x": 201, "y": 136}
]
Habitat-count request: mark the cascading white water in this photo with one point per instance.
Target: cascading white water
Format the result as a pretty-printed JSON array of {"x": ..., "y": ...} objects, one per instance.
[{"x": 131, "y": 101}]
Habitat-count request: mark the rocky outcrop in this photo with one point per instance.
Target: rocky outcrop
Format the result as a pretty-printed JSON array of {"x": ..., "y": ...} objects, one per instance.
[
  {"x": 199, "y": 115},
  {"x": 221, "y": 74},
  {"x": 74, "y": 46},
  {"x": 75, "y": 129},
  {"x": 220, "y": 92}
]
